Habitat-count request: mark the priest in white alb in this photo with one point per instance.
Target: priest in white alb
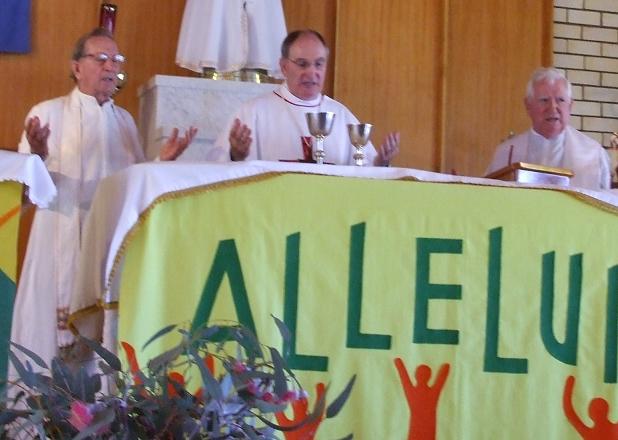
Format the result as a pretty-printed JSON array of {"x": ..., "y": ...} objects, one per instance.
[
  {"x": 273, "y": 126},
  {"x": 552, "y": 141},
  {"x": 82, "y": 138}
]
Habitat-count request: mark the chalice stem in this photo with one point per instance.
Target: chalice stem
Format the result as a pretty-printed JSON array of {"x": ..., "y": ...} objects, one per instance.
[{"x": 319, "y": 153}]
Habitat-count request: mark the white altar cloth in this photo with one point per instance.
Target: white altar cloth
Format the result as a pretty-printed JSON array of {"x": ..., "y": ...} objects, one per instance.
[
  {"x": 29, "y": 170},
  {"x": 120, "y": 199}
]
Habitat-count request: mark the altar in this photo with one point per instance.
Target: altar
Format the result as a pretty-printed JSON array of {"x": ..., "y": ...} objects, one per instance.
[
  {"x": 443, "y": 294},
  {"x": 19, "y": 174},
  {"x": 167, "y": 102}
]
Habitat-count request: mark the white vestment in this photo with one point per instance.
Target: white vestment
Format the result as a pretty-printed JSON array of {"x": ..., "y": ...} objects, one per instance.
[
  {"x": 571, "y": 149},
  {"x": 87, "y": 142},
  {"x": 229, "y": 35},
  {"x": 277, "y": 121}
]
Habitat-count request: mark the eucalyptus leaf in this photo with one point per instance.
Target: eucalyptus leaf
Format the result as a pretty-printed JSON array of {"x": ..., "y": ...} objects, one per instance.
[
  {"x": 27, "y": 376},
  {"x": 35, "y": 357},
  {"x": 267, "y": 407},
  {"x": 281, "y": 383},
  {"x": 157, "y": 335},
  {"x": 62, "y": 375},
  {"x": 109, "y": 357},
  {"x": 286, "y": 335},
  {"x": 164, "y": 359},
  {"x": 336, "y": 405},
  {"x": 211, "y": 385},
  {"x": 249, "y": 342}
]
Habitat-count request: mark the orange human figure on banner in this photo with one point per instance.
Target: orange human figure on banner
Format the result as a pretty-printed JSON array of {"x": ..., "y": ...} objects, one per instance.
[
  {"x": 422, "y": 399},
  {"x": 300, "y": 408},
  {"x": 598, "y": 410}
]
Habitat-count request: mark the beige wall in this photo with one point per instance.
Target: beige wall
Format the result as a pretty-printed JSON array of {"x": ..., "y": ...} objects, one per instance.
[
  {"x": 448, "y": 74},
  {"x": 586, "y": 48}
]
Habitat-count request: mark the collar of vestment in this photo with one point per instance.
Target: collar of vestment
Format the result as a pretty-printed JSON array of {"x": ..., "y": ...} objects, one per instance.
[
  {"x": 89, "y": 100},
  {"x": 284, "y": 93},
  {"x": 541, "y": 140}
]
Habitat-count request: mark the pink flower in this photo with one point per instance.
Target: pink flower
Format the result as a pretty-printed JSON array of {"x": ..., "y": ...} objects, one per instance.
[
  {"x": 252, "y": 387},
  {"x": 267, "y": 397},
  {"x": 289, "y": 396},
  {"x": 81, "y": 416},
  {"x": 239, "y": 367}
]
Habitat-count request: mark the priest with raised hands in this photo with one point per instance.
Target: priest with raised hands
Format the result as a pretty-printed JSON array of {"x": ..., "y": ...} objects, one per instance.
[
  {"x": 274, "y": 126},
  {"x": 82, "y": 138},
  {"x": 552, "y": 141}
]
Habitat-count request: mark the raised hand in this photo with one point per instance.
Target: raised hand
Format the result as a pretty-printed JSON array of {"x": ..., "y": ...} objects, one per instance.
[
  {"x": 176, "y": 145},
  {"x": 240, "y": 140},
  {"x": 37, "y": 136},
  {"x": 388, "y": 150}
]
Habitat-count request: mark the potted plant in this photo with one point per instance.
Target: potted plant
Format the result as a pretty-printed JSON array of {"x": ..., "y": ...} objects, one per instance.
[{"x": 254, "y": 385}]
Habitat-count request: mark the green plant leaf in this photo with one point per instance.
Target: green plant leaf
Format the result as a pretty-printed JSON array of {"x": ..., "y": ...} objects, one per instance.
[
  {"x": 109, "y": 357},
  {"x": 26, "y": 374},
  {"x": 211, "y": 386},
  {"x": 249, "y": 342},
  {"x": 279, "y": 427},
  {"x": 336, "y": 405},
  {"x": 283, "y": 329},
  {"x": 281, "y": 383},
  {"x": 157, "y": 335},
  {"x": 266, "y": 407},
  {"x": 164, "y": 360},
  {"x": 35, "y": 357},
  {"x": 62, "y": 376},
  {"x": 9, "y": 415}
]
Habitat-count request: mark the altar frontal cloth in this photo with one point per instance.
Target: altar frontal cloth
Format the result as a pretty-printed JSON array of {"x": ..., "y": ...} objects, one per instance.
[{"x": 466, "y": 311}]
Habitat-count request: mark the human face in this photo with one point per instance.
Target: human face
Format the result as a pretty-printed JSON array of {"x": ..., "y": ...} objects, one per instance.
[
  {"x": 549, "y": 108},
  {"x": 94, "y": 77},
  {"x": 305, "y": 67}
]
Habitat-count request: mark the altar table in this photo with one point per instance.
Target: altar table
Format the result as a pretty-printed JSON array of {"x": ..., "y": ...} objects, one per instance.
[
  {"x": 16, "y": 170},
  {"x": 467, "y": 308}
]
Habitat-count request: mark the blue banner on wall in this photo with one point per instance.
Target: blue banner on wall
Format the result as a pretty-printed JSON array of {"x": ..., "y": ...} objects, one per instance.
[{"x": 15, "y": 26}]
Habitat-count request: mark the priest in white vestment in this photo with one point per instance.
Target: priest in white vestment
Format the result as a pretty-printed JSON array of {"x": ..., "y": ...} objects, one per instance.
[
  {"x": 82, "y": 137},
  {"x": 272, "y": 126},
  {"x": 552, "y": 141},
  {"x": 230, "y": 35}
]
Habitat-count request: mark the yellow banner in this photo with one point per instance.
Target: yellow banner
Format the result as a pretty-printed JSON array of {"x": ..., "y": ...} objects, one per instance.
[
  {"x": 10, "y": 205},
  {"x": 463, "y": 309}
]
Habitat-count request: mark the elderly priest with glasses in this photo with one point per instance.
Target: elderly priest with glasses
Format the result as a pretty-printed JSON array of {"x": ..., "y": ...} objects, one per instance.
[
  {"x": 82, "y": 138},
  {"x": 273, "y": 126}
]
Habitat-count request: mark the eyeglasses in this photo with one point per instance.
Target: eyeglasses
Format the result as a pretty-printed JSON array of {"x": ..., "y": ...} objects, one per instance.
[
  {"x": 102, "y": 57},
  {"x": 319, "y": 64}
]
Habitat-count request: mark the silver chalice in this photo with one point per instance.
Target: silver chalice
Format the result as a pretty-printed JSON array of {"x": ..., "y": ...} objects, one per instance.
[
  {"x": 359, "y": 136},
  {"x": 320, "y": 124}
]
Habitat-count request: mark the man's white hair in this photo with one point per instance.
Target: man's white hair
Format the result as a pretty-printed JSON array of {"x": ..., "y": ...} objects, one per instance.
[{"x": 550, "y": 75}]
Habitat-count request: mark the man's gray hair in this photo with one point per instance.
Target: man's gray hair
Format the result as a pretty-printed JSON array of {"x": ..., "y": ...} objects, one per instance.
[
  {"x": 550, "y": 75},
  {"x": 80, "y": 46},
  {"x": 295, "y": 35}
]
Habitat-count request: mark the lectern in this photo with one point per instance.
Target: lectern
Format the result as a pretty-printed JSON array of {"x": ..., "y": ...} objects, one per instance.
[{"x": 532, "y": 173}]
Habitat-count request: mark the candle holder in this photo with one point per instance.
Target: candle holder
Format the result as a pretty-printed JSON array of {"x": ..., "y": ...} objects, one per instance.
[
  {"x": 320, "y": 125},
  {"x": 107, "y": 16}
]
